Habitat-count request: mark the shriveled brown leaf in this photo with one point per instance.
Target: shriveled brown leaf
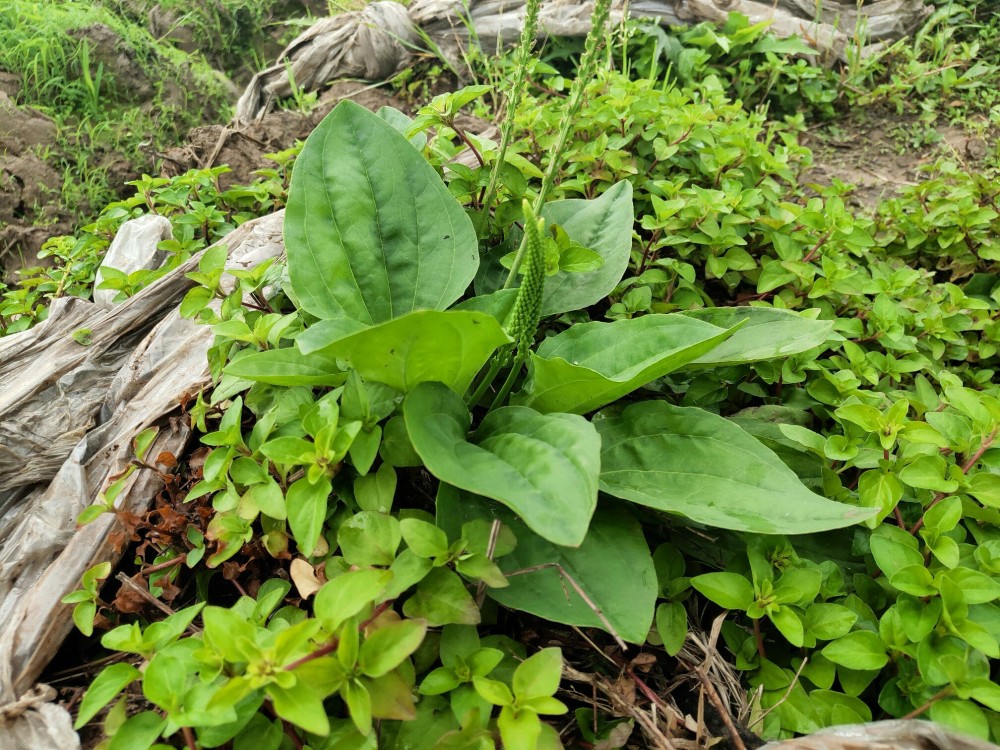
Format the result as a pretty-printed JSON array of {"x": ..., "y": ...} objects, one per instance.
[{"x": 304, "y": 577}]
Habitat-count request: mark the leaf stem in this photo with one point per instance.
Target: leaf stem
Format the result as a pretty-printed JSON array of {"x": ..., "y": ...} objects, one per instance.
[
  {"x": 507, "y": 385},
  {"x": 943, "y": 693},
  {"x": 486, "y": 382}
]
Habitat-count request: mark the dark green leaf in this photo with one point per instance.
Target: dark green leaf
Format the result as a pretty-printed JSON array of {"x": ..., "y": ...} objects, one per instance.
[
  {"x": 360, "y": 246},
  {"x": 592, "y": 364},
  {"x": 687, "y": 461},
  {"x": 542, "y": 466},
  {"x": 612, "y": 567}
]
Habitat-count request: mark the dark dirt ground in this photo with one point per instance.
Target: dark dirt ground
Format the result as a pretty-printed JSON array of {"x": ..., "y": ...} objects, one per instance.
[{"x": 880, "y": 152}]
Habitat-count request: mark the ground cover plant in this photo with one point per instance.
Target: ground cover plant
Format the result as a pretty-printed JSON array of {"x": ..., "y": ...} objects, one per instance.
[
  {"x": 108, "y": 84},
  {"x": 623, "y": 374}
]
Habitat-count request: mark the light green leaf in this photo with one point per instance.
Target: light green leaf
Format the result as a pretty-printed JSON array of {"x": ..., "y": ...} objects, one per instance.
[
  {"x": 861, "y": 649},
  {"x": 424, "y": 538},
  {"x": 300, "y": 705},
  {"x": 728, "y": 590},
  {"x": 542, "y": 466},
  {"x": 442, "y": 599},
  {"x": 612, "y": 566},
  {"x": 928, "y": 473},
  {"x": 369, "y": 538},
  {"x": 375, "y": 491},
  {"x": 449, "y": 347},
  {"x": 672, "y": 626},
  {"x": 371, "y": 231},
  {"x": 828, "y": 621},
  {"x": 789, "y": 624},
  {"x": 307, "y": 507},
  {"x": 767, "y": 333},
  {"x": 111, "y": 681},
  {"x": 347, "y": 594},
  {"x": 985, "y": 487},
  {"x": 287, "y": 367},
  {"x": 538, "y": 675},
  {"x": 385, "y": 649},
  {"x": 961, "y": 716},
  {"x": 603, "y": 225},
  {"x": 687, "y": 461},
  {"x": 592, "y": 364},
  {"x": 138, "y": 732},
  {"x": 519, "y": 728},
  {"x": 493, "y": 691}
]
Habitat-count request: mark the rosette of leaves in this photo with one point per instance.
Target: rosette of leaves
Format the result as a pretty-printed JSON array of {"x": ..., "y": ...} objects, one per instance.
[{"x": 381, "y": 258}]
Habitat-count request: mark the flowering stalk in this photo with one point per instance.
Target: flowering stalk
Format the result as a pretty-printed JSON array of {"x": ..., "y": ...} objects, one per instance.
[{"x": 585, "y": 72}]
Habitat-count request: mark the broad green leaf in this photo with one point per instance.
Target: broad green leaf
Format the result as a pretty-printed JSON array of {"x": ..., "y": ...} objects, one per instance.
[
  {"x": 83, "y": 617},
  {"x": 962, "y": 716},
  {"x": 385, "y": 649},
  {"x": 672, "y": 626},
  {"x": 138, "y": 732},
  {"x": 894, "y": 549},
  {"x": 300, "y": 705},
  {"x": 592, "y": 364},
  {"x": 519, "y": 727},
  {"x": 375, "y": 491},
  {"x": 603, "y": 225},
  {"x": 728, "y": 590},
  {"x": 401, "y": 122},
  {"x": 371, "y": 231},
  {"x": 493, "y": 691},
  {"x": 828, "y": 621},
  {"x": 369, "y": 538},
  {"x": 441, "y": 598},
  {"x": 288, "y": 367},
  {"x": 163, "y": 680},
  {"x": 359, "y": 705},
  {"x": 111, "y": 681},
  {"x": 448, "y": 346},
  {"x": 861, "y": 649},
  {"x": 612, "y": 566},
  {"x": 498, "y": 303},
  {"x": 307, "y": 507},
  {"x": 538, "y": 675},
  {"x": 348, "y": 594},
  {"x": 543, "y": 466},
  {"x": 688, "y": 461},
  {"x": 767, "y": 333},
  {"x": 424, "y": 538}
]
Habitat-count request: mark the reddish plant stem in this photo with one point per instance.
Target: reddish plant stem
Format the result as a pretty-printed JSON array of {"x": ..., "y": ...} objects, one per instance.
[
  {"x": 465, "y": 139},
  {"x": 930, "y": 702},
  {"x": 375, "y": 613},
  {"x": 189, "y": 738},
  {"x": 974, "y": 458},
  {"x": 330, "y": 646},
  {"x": 646, "y": 690},
  {"x": 815, "y": 248},
  {"x": 759, "y": 639},
  {"x": 327, "y": 648},
  {"x": 163, "y": 565}
]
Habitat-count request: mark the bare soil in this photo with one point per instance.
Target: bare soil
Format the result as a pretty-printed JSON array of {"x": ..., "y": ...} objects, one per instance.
[{"x": 881, "y": 152}]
